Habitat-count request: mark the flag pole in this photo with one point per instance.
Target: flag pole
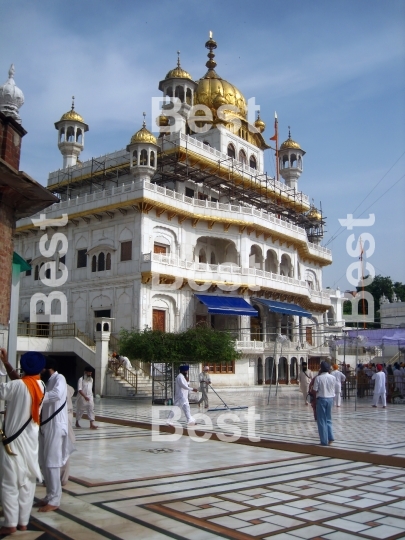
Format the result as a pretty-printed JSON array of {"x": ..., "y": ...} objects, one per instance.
[{"x": 275, "y": 138}]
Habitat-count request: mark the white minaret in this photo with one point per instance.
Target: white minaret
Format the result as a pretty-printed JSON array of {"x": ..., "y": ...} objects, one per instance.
[
  {"x": 143, "y": 153},
  {"x": 11, "y": 97},
  {"x": 71, "y": 128},
  {"x": 290, "y": 158},
  {"x": 177, "y": 84}
]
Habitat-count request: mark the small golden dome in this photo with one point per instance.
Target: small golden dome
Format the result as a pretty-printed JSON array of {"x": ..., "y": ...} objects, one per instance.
[
  {"x": 143, "y": 135},
  {"x": 73, "y": 116},
  {"x": 259, "y": 124},
  {"x": 289, "y": 143},
  {"x": 162, "y": 120},
  {"x": 314, "y": 214},
  {"x": 178, "y": 72}
]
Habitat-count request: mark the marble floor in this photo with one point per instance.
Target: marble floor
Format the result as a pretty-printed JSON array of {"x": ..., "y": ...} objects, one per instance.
[{"x": 132, "y": 483}]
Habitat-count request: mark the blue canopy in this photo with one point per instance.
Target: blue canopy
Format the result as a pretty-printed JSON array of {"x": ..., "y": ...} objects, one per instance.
[
  {"x": 227, "y": 305},
  {"x": 283, "y": 307}
]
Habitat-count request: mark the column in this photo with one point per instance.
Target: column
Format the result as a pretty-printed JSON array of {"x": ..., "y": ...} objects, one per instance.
[
  {"x": 245, "y": 328},
  {"x": 102, "y": 338},
  {"x": 288, "y": 369}
]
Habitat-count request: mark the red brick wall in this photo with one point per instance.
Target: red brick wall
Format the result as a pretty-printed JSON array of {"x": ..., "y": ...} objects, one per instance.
[
  {"x": 6, "y": 257},
  {"x": 10, "y": 141}
]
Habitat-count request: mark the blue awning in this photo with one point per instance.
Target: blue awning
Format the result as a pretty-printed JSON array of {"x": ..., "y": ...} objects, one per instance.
[
  {"x": 227, "y": 305},
  {"x": 283, "y": 307}
]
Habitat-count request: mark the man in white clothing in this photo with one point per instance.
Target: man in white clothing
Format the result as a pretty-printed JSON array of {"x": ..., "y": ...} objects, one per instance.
[
  {"x": 19, "y": 467},
  {"x": 85, "y": 401},
  {"x": 181, "y": 396},
  {"x": 205, "y": 380},
  {"x": 379, "y": 387},
  {"x": 340, "y": 378},
  {"x": 324, "y": 387},
  {"x": 55, "y": 446},
  {"x": 305, "y": 379}
]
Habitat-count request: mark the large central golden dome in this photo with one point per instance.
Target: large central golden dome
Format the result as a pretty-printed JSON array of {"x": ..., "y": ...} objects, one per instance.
[{"x": 213, "y": 91}]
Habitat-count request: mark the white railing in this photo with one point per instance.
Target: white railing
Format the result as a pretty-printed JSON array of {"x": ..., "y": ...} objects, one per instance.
[
  {"x": 257, "y": 345},
  {"x": 181, "y": 197}
]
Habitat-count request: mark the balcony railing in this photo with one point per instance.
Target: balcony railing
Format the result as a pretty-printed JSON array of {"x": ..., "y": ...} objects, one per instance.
[{"x": 54, "y": 330}]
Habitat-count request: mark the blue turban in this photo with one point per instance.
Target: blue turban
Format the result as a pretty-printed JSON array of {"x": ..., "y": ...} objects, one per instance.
[
  {"x": 32, "y": 363},
  {"x": 325, "y": 367},
  {"x": 184, "y": 368}
]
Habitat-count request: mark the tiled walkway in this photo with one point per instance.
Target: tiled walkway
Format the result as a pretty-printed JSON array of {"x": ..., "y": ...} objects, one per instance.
[{"x": 127, "y": 483}]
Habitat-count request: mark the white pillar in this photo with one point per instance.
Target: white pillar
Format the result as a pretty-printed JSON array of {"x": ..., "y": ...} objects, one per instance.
[
  {"x": 12, "y": 336},
  {"x": 102, "y": 334}
]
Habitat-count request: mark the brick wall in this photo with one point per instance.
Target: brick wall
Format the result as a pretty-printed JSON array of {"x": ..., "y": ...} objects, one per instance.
[
  {"x": 6, "y": 257},
  {"x": 11, "y": 134}
]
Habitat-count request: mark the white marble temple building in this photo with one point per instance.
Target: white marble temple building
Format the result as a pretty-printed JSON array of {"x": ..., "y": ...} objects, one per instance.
[{"x": 183, "y": 214}]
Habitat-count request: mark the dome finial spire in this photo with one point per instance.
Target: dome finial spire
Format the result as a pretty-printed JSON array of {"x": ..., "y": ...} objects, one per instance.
[
  {"x": 178, "y": 59},
  {"x": 73, "y": 103},
  {"x": 11, "y": 97},
  {"x": 289, "y": 132},
  {"x": 211, "y": 45},
  {"x": 144, "y": 120},
  {"x": 11, "y": 72}
]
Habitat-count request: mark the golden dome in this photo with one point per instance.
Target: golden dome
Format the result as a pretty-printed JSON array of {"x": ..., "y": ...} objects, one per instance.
[
  {"x": 143, "y": 136},
  {"x": 289, "y": 143},
  {"x": 178, "y": 72},
  {"x": 213, "y": 91},
  {"x": 314, "y": 214},
  {"x": 162, "y": 120},
  {"x": 259, "y": 124},
  {"x": 73, "y": 116}
]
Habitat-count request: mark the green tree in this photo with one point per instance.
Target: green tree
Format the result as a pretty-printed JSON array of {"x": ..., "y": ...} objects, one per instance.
[
  {"x": 195, "y": 345},
  {"x": 383, "y": 286}
]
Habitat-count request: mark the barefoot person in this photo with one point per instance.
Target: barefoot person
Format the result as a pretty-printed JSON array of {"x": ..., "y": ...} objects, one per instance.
[
  {"x": 19, "y": 471},
  {"x": 181, "y": 396},
  {"x": 85, "y": 401},
  {"x": 55, "y": 446}
]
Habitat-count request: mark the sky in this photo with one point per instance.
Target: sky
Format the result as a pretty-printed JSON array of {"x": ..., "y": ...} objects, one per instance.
[{"x": 334, "y": 71}]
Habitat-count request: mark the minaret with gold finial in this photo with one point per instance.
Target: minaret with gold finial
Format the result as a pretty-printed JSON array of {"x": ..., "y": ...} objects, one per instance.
[
  {"x": 290, "y": 158},
  {"x": 143, "y": 153},
  {"x": 71, "y": 128},
  {"x": 178, "y": 87}
]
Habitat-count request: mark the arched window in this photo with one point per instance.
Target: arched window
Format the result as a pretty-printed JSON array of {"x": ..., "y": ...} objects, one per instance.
[
  {"x": 255, "y": 257},
  {"x": 144, "y": 158},
  {"x": 62, "y": 135},
  {"x": 293, "y": 160},
  {"x": 242, "y": 157},
  {"x": 252, "y": 162},
  {"x": 202, "y": 256},
  {"x": 101, "y": 262},
  {"x": 94, "y": 263},
  {"x": 293, "y": 369},
  {"x": 108, "y": 262},
  {"x": 70, "y": 134},
  {"x": 286, "y": 163},
  {"x": 189, "y": 97},
  {"x": 231, "y": 151},
  {"x": 179, "y": 93},
  {"x": 135, "y": 157},
  {"x": 79, "y": 135},
  {"x": 152, "y": 158},
  {"x": 213, "y": 258},
  {"x": 36, "y": 273}
]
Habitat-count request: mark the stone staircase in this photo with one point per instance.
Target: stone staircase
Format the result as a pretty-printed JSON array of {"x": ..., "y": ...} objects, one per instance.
[{"x": 120, "y": 384}]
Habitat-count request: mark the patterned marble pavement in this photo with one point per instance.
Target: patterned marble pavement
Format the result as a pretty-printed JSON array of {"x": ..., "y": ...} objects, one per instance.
[{"x": 126, "y": 483}]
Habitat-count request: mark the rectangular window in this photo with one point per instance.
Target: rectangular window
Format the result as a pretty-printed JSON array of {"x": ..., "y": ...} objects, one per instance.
[
  {"x": 103, "y": 313},
  {"x": 28, "y": 272},
  {"x": 189, "y": 192},
  {"x": 159, "y": 320},
  {"x": 308, "y": 335},
  {"x": 159, "y": 248},
  {"x": 81, "y": 258},
  {"x": 126, "y": 251},
  {"x": 202, "y": 196},
  {"x": 223, "y": 368}
]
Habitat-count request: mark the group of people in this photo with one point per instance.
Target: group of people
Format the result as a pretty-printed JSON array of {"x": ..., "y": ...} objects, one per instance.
[
  {"x": 324, "y": 389},
  {"x": 37, "y": 435}
]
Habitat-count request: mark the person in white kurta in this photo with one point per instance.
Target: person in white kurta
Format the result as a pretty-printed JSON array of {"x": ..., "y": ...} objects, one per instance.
[
  {"x": 379, "y": 387},
  {"x": 181, "y": 396},
  {"x": 18, "y": 474},
  {"x": 205, "y": 380},
  {"x": 85, "y": 400},
  {"x": 55, "y": 446},
  {"x": 305, "y": 379},
  {"x": 340, "y": 378}
]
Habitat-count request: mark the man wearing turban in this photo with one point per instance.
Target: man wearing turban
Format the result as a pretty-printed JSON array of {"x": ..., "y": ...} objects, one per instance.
[
  {"x": 181, "y": 396},
  {"x": 19, "y": 467}
]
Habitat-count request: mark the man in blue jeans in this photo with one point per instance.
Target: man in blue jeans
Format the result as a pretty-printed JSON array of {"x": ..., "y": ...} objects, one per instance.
[{"x": 325, "y": 393}]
